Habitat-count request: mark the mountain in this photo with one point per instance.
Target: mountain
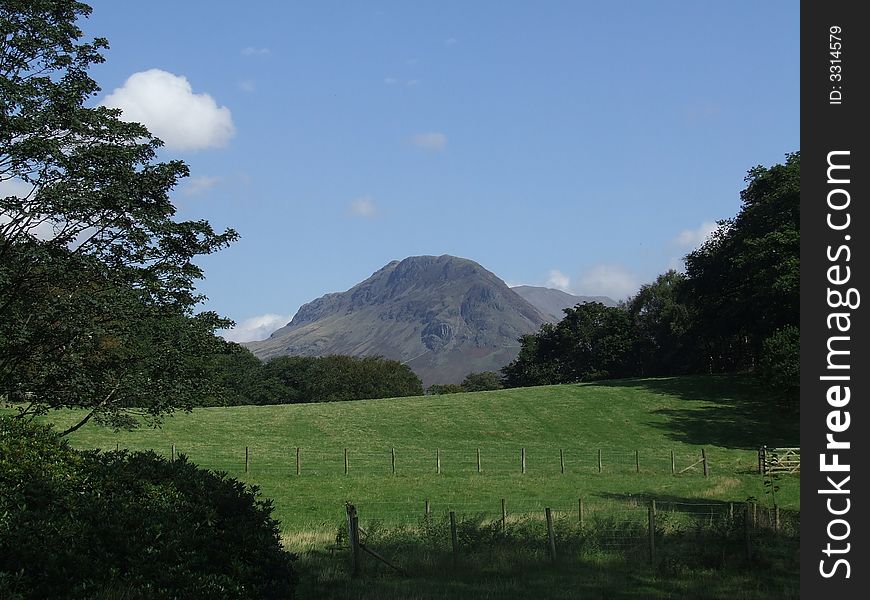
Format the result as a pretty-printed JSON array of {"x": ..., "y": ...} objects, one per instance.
[
  {"x": 552, "y": 302},
  {"x": 444, "y": 316}
]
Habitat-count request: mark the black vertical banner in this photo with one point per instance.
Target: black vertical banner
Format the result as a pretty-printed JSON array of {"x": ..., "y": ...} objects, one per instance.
[{"x": 835, "y": 368}]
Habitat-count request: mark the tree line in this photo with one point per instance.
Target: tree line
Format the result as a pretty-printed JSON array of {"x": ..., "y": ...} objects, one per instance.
[
  {"x": 244, "y": 379},
  {"x": 735, "y": 309}
]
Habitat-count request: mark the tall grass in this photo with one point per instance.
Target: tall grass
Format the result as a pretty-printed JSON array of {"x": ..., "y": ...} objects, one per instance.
[{"x": 605, "y": 557}]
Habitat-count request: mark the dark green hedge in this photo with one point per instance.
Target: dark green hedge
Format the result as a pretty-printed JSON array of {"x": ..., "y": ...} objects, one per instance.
[{"x": 129, "y": 525}]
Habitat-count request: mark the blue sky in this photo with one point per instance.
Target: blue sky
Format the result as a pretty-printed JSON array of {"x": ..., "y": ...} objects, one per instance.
[{"x": 581, "y": 145}]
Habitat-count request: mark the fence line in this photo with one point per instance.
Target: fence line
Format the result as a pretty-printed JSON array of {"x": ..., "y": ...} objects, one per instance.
[
  {"x": 534, "y": 460},
  {"x": 650, "y": 528}
]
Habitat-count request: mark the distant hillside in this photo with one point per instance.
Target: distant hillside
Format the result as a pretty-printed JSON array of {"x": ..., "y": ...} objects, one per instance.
[
  {"x": 444, "y": 316},
  {"x": 552, "y": 302}
]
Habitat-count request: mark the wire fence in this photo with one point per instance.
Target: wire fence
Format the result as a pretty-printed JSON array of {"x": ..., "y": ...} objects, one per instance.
[
  {"x": 694, "y": 534},
  {"x": 498, "y": 459}
]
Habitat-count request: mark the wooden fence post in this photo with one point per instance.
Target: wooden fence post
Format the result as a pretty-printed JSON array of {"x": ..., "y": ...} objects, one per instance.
[
  {"x": 637, "y": 461},
  {"x": 345, "y": 461},
  {"x": 652, "y": 532},
  {"x": 438, "y": 461},
  {"x": 353, "y": 540},
  {"x": 173, "y": 453},
  {"x": 393, "y": 460},
  {"x": 776, "y": 518},
  {"x": 247, "y": 461},
  {"x": 704, "y": 459},
  {"x": 478, "y": 460},
  {"x": 298, "y": 464},
  {"x": 550, "y": 537},
  {"x": 599, "y": 460},
  {"x": 503, "y": 516},
  {"x": 562, "y": 461},
  {"x": 523, "y": 459},
  {"x": 730, "y": 511},
  {"x": 454, "y": 540},
  {"x": 747, "y": 527},
  {"x": 426, "y": 509},
  {"x": 673, "y": 464},
  {"x": 580, "y": 514}
]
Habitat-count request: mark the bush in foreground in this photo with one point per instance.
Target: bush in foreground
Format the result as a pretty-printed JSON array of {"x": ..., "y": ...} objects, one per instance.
[{"x": 132, "y": 525}]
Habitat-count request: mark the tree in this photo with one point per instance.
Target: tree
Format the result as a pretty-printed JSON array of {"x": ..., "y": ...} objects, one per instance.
[
  {"x": 239, "y": 374},
  {"x": 530, "y": 367},
  {"x": 662, "y": 319},
  {"x": 97, "y": 278},
  {"x": 292, "y": 379},
  {"x": 744, "y": 281},
  {"x": 480, "y": 382},
  {"x": 592, "y": 341}
]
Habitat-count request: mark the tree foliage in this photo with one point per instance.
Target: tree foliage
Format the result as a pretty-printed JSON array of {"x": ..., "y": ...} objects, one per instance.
[
  {"x": 300, "y": 379},
  {"x": 745, "y": 280},
  {"x": 133, "y": 525},
  {"x": 779, "y": 368},
  {"x": 438, "y": 389},
  {"x": 662, "y": 318},
  {"x": 481, "y": 382},
  {"x": 97, "y": 277},
  {"x": 735, "y": 308},
  {"x": 592, "y": 341}
]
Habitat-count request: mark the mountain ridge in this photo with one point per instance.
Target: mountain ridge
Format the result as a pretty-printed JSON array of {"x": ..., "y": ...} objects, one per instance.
[
  {"x": 444, "y": 316},
  {"x": 553, "y": 302}
]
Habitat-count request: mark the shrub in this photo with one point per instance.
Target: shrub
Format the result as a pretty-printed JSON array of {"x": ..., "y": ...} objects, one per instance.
[{"x": 86, "y": 524}]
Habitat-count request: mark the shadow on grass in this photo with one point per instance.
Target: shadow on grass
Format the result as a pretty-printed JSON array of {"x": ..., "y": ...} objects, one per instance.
[
  {"x": 326, "y": 577},
  {"x": 737, "y": 413}
]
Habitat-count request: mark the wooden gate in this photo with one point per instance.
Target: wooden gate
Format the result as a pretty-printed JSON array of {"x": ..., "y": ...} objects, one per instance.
[{"x": 779, "y": 460}]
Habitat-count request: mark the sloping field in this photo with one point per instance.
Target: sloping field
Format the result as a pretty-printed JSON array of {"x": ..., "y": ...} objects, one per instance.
[{"x": 635, "y": 424}]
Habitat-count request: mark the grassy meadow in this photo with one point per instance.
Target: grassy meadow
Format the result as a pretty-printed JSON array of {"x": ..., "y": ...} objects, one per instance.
[
  {"x": 635, "y": 424},
  {"x": 650, "y": 417}
]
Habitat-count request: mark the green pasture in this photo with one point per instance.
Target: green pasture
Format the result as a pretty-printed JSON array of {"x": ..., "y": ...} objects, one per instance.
[{"x": 631, "y": 422}]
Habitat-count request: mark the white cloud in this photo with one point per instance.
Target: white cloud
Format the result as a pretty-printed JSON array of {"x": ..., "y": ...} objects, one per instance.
[
  {"x": 412, "y": 82},
  {"x": 614, "y": 281},
  {"x": 390, "y": 80},
  {"x": 558, "y": 280},
  {"x": 451, "y": 41},
  {"x": 247, "y": 85},
  {"x": 693, "y": 238},
  {"x": 251, "y": 51},
  {"x": 363, "y": 207},
  {"x": 255, "y": 328},
  {"x": 199, "y": 184},
  {"x": 430, "y": 141},
  {"x": 168, "y": 107}
]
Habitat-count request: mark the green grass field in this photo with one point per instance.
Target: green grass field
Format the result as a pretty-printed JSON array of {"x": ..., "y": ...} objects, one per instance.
[{"x": 726, "y": 416}]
